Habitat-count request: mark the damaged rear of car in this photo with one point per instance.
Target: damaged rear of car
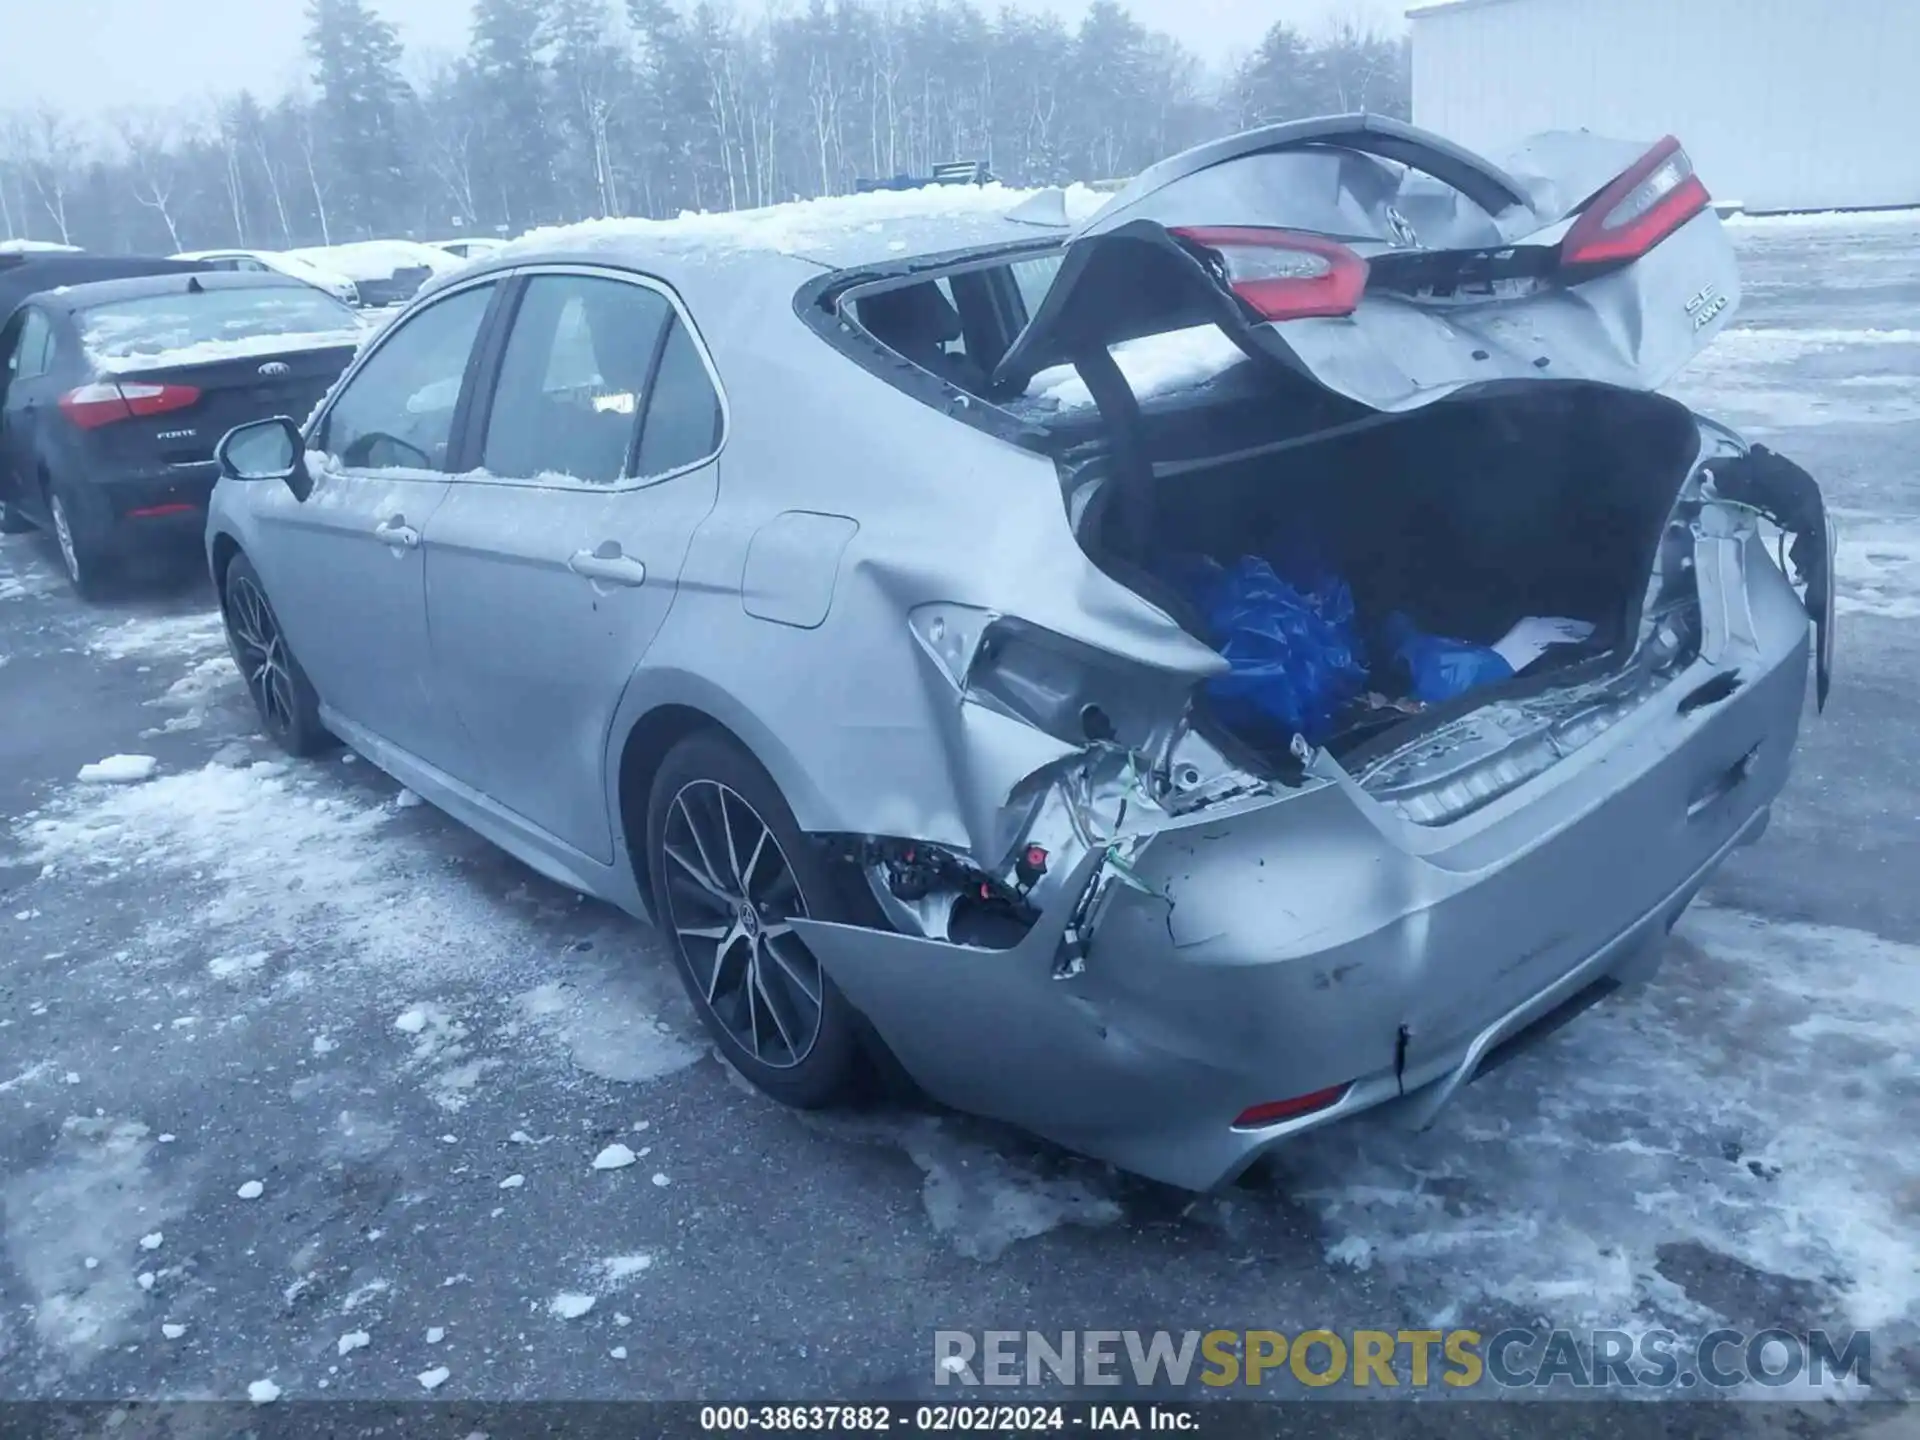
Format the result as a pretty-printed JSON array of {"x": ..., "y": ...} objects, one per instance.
[{"x": 1449, "y": 659}]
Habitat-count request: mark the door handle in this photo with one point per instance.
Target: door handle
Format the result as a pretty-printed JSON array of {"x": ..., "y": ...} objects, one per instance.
[
  {"x": 396, "y": 532},
  {"x": 608, "y": 565}
]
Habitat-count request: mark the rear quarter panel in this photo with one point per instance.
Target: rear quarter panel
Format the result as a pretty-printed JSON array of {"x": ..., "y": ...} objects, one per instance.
[{"x": 852, "y": 719}]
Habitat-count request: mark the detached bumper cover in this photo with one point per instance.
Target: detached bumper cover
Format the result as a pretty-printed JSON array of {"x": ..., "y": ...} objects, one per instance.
[{"x": 1279, "y": 946}]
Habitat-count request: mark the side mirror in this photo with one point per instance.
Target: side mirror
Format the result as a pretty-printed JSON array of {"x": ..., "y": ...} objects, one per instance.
[{"x": 266, "y": 450}]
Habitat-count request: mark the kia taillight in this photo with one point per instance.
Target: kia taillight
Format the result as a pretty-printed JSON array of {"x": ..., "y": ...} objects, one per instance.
[
  {"x": 1282, "y": 274},
  {"x": 104, "y": 401},
  {"x": 1638, "y": 210}
]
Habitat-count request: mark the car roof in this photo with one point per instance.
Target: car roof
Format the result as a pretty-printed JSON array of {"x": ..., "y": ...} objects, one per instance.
[
  {"x": 834, "y": 232},
  {"x": 23, "y": 276},
  {"x": 102, "y": 292}
]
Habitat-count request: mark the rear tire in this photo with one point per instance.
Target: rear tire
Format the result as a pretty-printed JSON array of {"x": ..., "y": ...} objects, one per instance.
[
  {"x": 12, "y": 522},
  {"x": 729, "y": 866},
  {"x": 82, "y": 555},
  {"x": 283, "y": 697}
]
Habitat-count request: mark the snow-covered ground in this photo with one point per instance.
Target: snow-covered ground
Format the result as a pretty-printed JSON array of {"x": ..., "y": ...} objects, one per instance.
[{"x": 496, "y": 1156}]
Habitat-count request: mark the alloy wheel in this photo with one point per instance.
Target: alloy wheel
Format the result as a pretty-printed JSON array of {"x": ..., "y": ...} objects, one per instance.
[
  {"x": 63, "y": 532},
  {"x": 731, "y": 897},
  {"x": 261, "y": 654}
]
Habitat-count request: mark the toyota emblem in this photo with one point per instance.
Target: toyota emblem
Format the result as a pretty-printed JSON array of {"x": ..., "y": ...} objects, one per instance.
[{"x": 276, "y": 367}]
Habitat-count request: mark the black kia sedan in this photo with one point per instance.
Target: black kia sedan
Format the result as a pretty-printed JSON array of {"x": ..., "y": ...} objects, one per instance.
[{"x": 115, "y": 392}]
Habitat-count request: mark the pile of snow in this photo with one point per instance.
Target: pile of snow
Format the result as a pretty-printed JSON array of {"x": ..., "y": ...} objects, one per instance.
[
  {"x": 801, "y": 226},
  {"x": 378, "y": 259},
  {"x": 1827, "y": 220},
  {"x": 162, "y": 637},
  {"x": 570, "y": 1306},
  {"x": 1153, "y": 365},
  {"x": 245, "y": 347},
  {"x": 119, "y": 770},
  {"x": 36, "y": 247},
  {"x": 184, "y": 826}
]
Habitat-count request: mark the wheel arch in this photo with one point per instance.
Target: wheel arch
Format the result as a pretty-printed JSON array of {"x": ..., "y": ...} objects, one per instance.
[
  {"x": 676, "y": 706},
  {"x": 221, "y": 550}
]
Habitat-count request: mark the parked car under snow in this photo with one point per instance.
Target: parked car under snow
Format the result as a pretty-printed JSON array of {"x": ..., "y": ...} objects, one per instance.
[
  {"x": 383, "y": 272},
  {"x": 1167, "y": 764}
]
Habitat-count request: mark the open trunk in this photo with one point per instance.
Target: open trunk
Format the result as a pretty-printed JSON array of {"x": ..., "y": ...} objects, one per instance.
[{"x": 1467, "y": 517}]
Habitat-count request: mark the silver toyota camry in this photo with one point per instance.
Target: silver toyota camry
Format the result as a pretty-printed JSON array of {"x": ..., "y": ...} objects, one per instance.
[{"x": 1168, "y": 673}]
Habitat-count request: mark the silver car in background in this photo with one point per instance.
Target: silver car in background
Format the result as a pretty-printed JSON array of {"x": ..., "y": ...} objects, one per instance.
[{"x": 800, "y": 581}]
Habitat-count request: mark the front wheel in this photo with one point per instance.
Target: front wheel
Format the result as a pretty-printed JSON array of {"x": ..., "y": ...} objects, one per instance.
[
  {"x": 730, "y": 871},
  {"x": 283, "y": 697}
]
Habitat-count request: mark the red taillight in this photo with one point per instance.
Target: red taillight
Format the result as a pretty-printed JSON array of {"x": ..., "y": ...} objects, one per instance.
[
  {"x": 1638, "y": 210},
  {"x": 1274, "y": 1111},
  {"x": 103, "y": 401},
  {"x": 1283, "y": 274},
  {"x": 149, "y": 512}
]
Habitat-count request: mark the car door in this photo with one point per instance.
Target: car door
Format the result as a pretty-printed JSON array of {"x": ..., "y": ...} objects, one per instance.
[
  {"x": 550, "y": 571},
  {"x": 1395, "y": 268},
  {"x": 344, "y": 567},
  {"x": 23, "y": 406}
]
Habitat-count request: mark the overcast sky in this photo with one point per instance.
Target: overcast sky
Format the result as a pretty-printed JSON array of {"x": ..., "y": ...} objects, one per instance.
[{"x": 92, "y": 56}]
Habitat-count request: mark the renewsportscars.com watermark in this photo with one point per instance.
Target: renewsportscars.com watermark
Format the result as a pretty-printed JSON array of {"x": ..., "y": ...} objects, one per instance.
[{"x": 1407, "y": 1359}]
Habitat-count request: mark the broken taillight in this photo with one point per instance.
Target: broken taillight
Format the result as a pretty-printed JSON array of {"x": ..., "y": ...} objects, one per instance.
[
  {"x": 1636, "y": 211},
  {"x": 1282, "y": 274}
]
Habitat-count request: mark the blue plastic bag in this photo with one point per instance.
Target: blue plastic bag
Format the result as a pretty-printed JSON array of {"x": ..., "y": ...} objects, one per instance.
[
  {"x": 1441, "y": 669},
  {"x": 1294, "y": 649}
]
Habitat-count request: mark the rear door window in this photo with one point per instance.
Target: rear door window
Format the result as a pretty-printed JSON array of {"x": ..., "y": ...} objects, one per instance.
[
  {"x": 683, "y": 413},
  {"x": 398, "y": 409},
  {"x": 572, "y": 378}
]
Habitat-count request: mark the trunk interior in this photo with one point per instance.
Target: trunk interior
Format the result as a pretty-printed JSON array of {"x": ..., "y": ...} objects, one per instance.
[{"x": 1534, "y": 500}]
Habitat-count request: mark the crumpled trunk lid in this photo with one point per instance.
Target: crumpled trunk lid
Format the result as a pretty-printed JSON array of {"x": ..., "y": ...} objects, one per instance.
[{"x": 1472, "y": 272}]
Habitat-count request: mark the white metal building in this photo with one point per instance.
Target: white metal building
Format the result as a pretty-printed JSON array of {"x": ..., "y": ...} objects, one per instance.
[{"x": 1783, "y": 104}]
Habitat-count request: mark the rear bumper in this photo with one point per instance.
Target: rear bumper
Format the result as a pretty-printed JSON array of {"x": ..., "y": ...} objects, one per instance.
[
  {"x": 159, "y": 507},
  {"x": 1312, "y": 940}
]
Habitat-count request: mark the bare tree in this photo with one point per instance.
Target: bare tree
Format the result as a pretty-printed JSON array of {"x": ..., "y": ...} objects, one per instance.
[
  {"x": 55, "y": 149},
  {"x": 1362, "y": 67},
  {"x": 13, "y": 152},
  {"x": 451, "y": 134},
  {"x": 309, "y": 140},
  {"x": 825, "y": 89},
  {"x": 151, "y": 139},
  {"x": 270, "y": 168},
  {"x": 228, "y": 127}
]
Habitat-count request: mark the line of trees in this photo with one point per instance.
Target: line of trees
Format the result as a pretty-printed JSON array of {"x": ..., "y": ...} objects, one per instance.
[{"x": 563, "y": 109}]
